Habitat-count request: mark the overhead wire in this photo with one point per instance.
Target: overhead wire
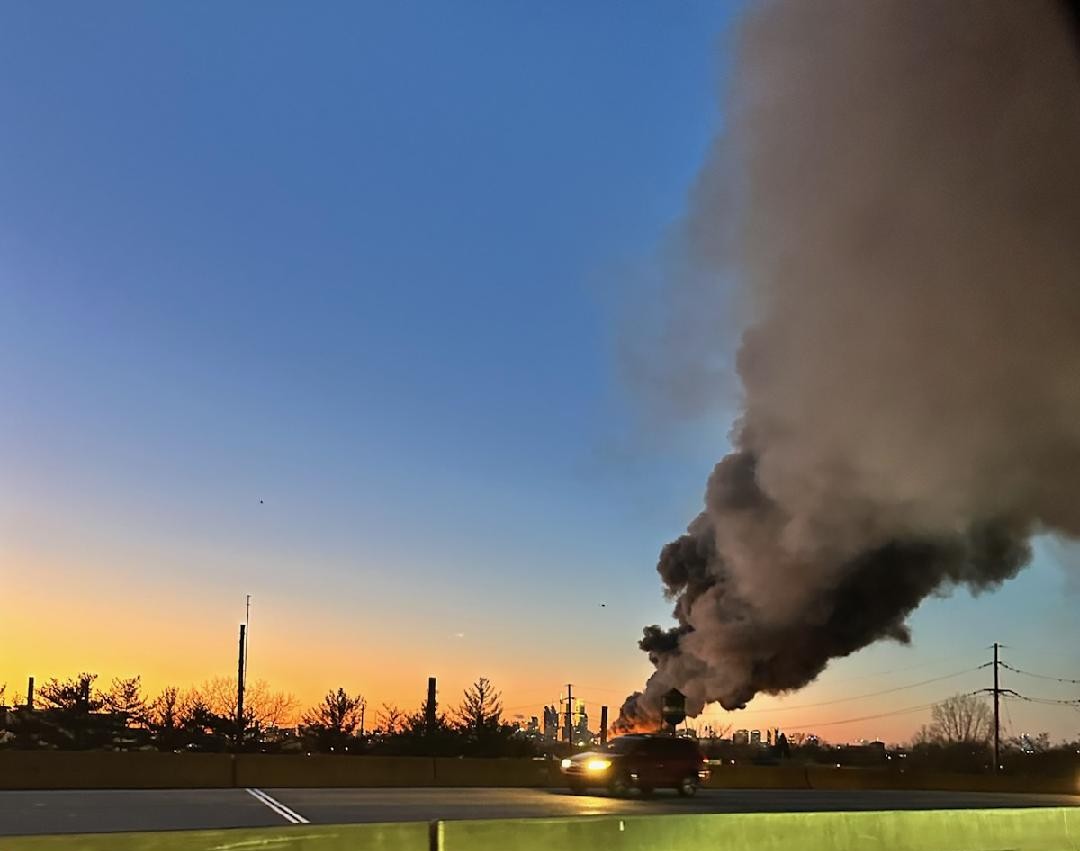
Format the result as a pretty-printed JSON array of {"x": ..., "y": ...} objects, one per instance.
[
  {"x": 872, "y": 693},
  {"x": 905, "y": 711},
  {"x": 1038, "y": 676}
]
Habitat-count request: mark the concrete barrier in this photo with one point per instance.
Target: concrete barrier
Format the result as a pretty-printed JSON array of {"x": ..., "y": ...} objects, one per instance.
[
  {"x": 264, "y": 770},
  {"x": 757, "y": 777},
  {"x": 102, "y": 770},
  {"x": 414, "y": 836},
  {"x": 962, "y": 830},
  {"x": 492, "y": 772},
  {"x": 829, "y": 777},
  {"x": 824, "y": 777}
]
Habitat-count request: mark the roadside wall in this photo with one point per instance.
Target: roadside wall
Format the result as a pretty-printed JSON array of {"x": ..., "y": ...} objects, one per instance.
[
  {"x": 321, "y": 770},
  {"x": 92, "y": 770},
  {"x": 102, "y": 770}
]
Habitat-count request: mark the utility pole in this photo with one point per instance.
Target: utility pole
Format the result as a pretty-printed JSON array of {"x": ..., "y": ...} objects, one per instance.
[
  {"x": 570, "y": 713},
  {"x": 997, "y": 691},
  {"x": 997, "y": 714},
  {"x": 603, "y": 726},
  {"x": 241, "y": 671},
  {"x": 30, "y": 695}
]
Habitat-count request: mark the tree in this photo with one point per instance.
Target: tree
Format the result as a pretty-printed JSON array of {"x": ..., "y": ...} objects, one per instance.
[
  {"x": 71, "y": 717},
  {"x": 125, "y": 698},
  {"x": 481, "y": 707},
  {"x": 76, "y": 694},
  {"x": 270, "y": 708},
  {"x": 390, "y": 719},
  {"x": 164, "y": 710},
  {"x": 781, "y": 748},
  {"x": 163, "y": 717},
  {"x": 334, "y": 721},
  {"x": 961, "y": 718},
  {"x": 200, "y": 728},
  {"x": 481, "y": 731},
  {"x": 263, "y": 707}
]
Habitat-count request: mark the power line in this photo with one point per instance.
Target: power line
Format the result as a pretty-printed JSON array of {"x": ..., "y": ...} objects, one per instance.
[
  {"x": 1040, "y": 676},
  {"x": 872, "y": 693},
  {"x": 1073, "y": 706},
  {"x": 888, "y": 673},
  {"x": 1046, "y": 701},
  {"x": 906, "y": 711}
]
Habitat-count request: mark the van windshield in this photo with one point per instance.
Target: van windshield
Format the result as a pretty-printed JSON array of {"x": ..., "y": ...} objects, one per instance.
[{"x": 623, "y": 745}]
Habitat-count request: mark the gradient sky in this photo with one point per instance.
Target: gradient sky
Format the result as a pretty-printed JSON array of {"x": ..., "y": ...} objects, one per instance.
[{"x": 370, "y": 265}]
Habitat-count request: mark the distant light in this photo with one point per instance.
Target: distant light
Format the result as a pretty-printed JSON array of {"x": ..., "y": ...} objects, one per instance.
[{"x": 566, "y": 763}]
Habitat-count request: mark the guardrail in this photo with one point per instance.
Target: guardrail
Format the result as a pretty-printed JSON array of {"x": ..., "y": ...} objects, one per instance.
[
  {"x": 103, "y": 770},
  {"x": 941, "y": 830}
]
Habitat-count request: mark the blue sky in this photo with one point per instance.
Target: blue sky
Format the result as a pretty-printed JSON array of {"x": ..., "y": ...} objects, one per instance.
[{"x": 368, "y": 263}]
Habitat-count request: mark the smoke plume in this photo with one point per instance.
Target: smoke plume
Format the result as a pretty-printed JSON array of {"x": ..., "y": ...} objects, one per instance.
[{"x": 897, "y": 194}]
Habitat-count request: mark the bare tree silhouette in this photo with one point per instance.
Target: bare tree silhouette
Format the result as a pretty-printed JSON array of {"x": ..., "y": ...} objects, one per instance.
[{"x": 961, "y": 718}]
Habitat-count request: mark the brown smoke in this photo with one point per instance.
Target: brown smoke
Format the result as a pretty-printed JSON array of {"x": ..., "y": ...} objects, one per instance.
[{"x": 898, "y": 196}]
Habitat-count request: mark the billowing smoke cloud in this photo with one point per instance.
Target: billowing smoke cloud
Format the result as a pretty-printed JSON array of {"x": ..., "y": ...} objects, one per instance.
[{"x": 898, "y": 196}]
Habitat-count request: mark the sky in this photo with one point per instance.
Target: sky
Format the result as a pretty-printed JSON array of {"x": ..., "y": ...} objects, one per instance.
[{"x": 325, "y": 305}]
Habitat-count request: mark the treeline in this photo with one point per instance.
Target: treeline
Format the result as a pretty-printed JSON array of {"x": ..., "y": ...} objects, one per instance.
[
  {"x": 959, "y": 739},
  {"x": 77, "y": 714},
  {"x": 1020, "y": 755}
]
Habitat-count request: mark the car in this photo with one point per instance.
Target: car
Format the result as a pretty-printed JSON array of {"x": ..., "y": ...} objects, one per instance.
[{"x": 639, "y": 761}]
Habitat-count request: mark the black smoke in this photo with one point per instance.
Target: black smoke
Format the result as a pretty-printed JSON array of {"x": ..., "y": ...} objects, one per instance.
[{"x": 898, "y": 195}]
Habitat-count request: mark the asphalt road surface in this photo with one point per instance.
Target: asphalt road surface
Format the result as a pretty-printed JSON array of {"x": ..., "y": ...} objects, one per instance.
[{"x": 110, "y": 810}]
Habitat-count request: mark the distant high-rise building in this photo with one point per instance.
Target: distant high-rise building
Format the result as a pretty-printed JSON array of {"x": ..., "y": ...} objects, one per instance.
[
  {"x": 577, "y": 713},
  {"x": 582, "y": 736},
  {"x": 755, "y": 737},
  {"x": 740, "y": 737},
  {"x": 551, "y": 723}
]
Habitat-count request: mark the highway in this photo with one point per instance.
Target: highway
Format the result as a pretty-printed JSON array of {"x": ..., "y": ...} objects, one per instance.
[{"x": 33, "y": 812}]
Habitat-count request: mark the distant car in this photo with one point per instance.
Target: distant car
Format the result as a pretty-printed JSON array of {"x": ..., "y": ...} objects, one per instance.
[{"x": 639, "y": 761}]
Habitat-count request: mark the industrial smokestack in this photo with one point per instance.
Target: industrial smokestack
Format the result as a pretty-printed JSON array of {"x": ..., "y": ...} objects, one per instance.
[
  {"x": 240, "y": 672},
  {"x": 429, "y": 707},
  {"x": 897, "y": 197}
]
